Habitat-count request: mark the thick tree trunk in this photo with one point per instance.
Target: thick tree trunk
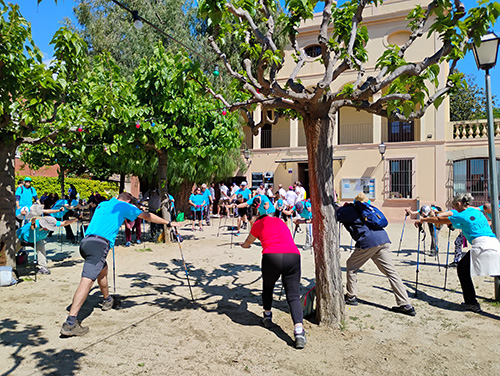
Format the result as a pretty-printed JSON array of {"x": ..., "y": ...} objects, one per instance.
[
  {"x": 122, "y": 183},
  {"x": 163, "y": 186},
  {"x": 61, "y": 180},
  {"x": 182, "y": 203},
  {"x": 329, "y": 291},
  {"x": 8, "y": 200}
]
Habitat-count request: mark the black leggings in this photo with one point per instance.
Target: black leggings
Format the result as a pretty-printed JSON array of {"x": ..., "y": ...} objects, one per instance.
[
  {"x": 286, "y": 265},
  {"x": 463, "y": 271}
]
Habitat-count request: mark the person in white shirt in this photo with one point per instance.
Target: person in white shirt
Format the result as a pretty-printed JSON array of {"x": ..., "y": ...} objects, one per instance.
[
  {"x": 270, "y": 193},
  {"x": 261, "y": 190},
  {"x": 224, "y": 198},
  {"x": 291, "y": 197},
  {"x": 234, "y": 189},
  {"x": 282, "y": 191}
]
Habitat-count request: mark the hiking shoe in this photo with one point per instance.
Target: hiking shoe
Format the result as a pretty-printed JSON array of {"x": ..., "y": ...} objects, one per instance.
[
  {"x": 300, "y": 340},
  {"x": 128, "y": 244},
  {"x": 476, "y": 308},
  {"x": 350, "y": 300},
  {"x": 267, "y": 320},
  {"x": 453, "y": 264},
  {"x": 107, "y": 304},
  {"x": 244, "y": 226},
  {"x": 299, "y": 230},
  {"x": 43, "y": 270},
  {"x": 138, "y": 241},
  {"x": 74, "y": 330},
  {"x": 405, "y": 310}
]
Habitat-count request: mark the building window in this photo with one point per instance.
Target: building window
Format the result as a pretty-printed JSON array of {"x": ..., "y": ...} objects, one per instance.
[
  {"x": 265, "y": 136},
  {"x": 399, "y": 131},
  {"x": 400, "y": 178},
  {"x": 472, "y": 176},
  {"x": 313, "y": 51}
]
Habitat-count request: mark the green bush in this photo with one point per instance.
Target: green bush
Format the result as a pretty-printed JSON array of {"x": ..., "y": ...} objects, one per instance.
[{"x": 83, "y": 186}]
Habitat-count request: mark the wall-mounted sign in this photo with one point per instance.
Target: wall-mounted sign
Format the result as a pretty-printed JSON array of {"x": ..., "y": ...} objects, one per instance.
[
  {"x": 290, "y": 171},
  {"x": 351, "y": 187}
]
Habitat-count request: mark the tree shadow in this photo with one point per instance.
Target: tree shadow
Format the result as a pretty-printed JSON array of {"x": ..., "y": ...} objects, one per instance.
[
  {"x": 89, "y": 305},
  {"x": 168, "y": 295},
  {"x": 19, "y": 336},
  {"x": 58, "y": 362}
]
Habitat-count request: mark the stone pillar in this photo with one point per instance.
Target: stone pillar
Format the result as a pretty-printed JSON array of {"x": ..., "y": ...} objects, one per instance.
[
  {"x": 377, "y": 124},
  {"x": 294, "y": 133},
  {"x": 257, "y": 116}
]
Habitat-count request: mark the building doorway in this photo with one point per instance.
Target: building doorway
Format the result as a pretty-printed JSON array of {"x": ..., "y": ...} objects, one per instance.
[{"x": 304, "y": 177}]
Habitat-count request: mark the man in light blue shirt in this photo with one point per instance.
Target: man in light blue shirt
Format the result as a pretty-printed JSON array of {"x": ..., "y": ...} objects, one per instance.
[
  {"x": 99, "y": 239},
  {"x": 25, "y": 195}
]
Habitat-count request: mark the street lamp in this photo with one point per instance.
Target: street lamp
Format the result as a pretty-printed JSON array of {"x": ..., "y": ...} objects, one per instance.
[
  {"x": 246, "y": 154},
  {"x": 381, "y": 149},
  {"x": 486, "y": 58}
]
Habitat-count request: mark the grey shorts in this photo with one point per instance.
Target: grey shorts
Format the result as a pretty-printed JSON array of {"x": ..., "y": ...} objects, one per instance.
[{"x": 94, "y": 250}]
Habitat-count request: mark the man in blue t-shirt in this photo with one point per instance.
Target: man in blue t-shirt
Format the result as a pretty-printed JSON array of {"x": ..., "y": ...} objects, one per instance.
[
  {"x": 370, "y": 244},
  {"x": 25, "y": 194},
  {"x": 99, "y": 239}
]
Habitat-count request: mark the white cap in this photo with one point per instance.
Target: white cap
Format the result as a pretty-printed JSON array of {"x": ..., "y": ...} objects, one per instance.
[{"x": 243, "y": 183}]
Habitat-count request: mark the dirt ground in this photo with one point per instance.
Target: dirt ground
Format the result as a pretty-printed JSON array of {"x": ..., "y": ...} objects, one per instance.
[{"x": 157, "y": 330}]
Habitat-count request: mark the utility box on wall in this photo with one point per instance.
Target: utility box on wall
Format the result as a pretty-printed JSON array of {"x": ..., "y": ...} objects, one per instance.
[
  {"x": 268, "y": 179},
  {"x": 257, "y": 179}
]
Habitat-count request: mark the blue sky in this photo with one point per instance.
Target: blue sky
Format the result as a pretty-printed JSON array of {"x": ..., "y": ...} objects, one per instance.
[{"x": 46, "y": 18}]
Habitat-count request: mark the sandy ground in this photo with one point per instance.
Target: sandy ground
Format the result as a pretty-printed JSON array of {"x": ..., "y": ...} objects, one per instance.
[{"x": 157, "y": 330}]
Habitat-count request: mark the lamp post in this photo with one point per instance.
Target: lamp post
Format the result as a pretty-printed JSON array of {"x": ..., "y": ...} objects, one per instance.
[
  {"x": 486, "y": 58},
  {"x": 381, "y": 149}
]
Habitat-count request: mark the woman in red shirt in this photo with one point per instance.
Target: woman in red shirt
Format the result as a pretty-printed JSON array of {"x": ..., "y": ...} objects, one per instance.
[{"x": 280, "y": 257}]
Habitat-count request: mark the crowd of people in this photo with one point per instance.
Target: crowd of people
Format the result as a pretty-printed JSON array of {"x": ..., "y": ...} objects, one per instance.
[{"x": 265, "y": 213}]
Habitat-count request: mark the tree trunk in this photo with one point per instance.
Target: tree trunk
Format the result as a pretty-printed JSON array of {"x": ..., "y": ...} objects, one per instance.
[
  {"x": 8, "y": 199},
  {"x": 329, "y": 292},
  {"x": 182, "y": 203},
  {"x": 163, "y": 187},
  {"x": 61, "y": 180},
  {"x": 122, "y": 183}
]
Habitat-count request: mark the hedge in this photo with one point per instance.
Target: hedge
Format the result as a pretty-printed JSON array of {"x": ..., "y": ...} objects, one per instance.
[{"x": 83, "y": 186}]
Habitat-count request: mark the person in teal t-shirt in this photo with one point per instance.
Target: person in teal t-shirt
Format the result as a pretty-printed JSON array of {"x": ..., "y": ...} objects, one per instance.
[
  {"x": 99, "y": 239},
  {"x": 207, "y": 197},
  {"x": 197, "y": 202},
  {"x": 35, "y": 232},
  {"x": 484, "y": 256},
  {"x": 25, "y": 195},
  {"x": 303, "y": 212}
]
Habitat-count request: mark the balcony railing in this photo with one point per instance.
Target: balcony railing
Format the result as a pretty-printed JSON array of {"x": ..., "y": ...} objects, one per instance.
[
  {"x": 355, "y": 133},
  {"x": 471, "y": 129}
]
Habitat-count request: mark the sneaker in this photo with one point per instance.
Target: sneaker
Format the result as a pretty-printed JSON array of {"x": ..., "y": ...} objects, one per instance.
[
  {"x": 244, "y": 226},
  {"x": 405, "y": 310},
  {"x": 138, "y": 241},
  {"x": 476, "y": 308},
  {"x": 237, "y": 234},
  {"x": 107, "y": 304},
  {"x": 306, "y": 248},
  {"x": 74, "y": 330},
  {"x": 300, "y": 340},
  {"x": 128, "y": 244},
  {"x": 43, "y": 270},
  {"x": 350, "y": 300},
  {"x": 453, "y": 264},
  {"x": 267, "y": 320},
  {"x": 432, "y": 253},
  {"x": 299, "y": 231}
]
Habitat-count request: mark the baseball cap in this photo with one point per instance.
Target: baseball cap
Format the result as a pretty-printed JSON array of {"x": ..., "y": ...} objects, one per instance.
[
  {"x": 425, "y": 210},
  {"x": 243, "y": 183},
  {"x": 299, "y": 207},
  {"x": 27, "y": 178},
  {"x": 50, "y": 223}
]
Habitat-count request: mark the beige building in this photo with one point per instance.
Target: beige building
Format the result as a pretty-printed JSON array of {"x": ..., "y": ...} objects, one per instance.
[{"x": 425, "y": 161}]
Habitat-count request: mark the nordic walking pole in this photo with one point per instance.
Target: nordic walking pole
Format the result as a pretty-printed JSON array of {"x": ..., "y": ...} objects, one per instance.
[
  {"x": 295, "y": 231},
  {"x": 218, "y": 230},
  {"x": 36, "y": 255},
  {"x": 418, "y": 259},
  {"x": 437, "y": 248},
  {"x": 402, "y": 232},
  {"x": 114, "y": 272},
  {"x": 183, "y": 262},
  {"x": 232, "y": 230},
  {"x": 447, "y": 257}
]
